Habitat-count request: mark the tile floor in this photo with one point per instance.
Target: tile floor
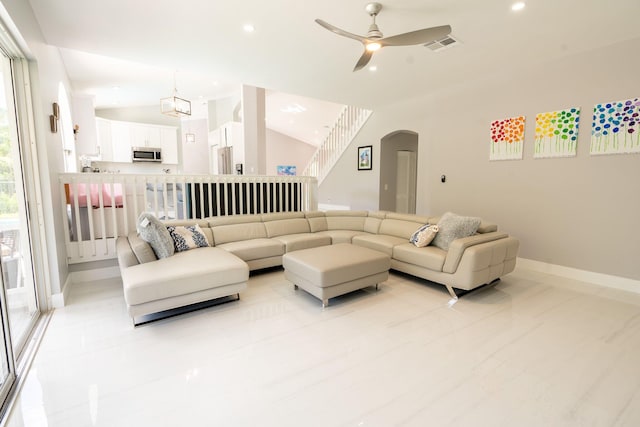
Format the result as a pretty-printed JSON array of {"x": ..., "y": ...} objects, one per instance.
[{"x": 533, "y": 350}]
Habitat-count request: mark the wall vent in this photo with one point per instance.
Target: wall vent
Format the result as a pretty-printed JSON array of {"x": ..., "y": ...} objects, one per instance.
[{"x": 443, "y": 43}]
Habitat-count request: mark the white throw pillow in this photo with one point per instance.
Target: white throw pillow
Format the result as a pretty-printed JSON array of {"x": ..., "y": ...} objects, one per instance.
[{"x": 424, "y": 235}]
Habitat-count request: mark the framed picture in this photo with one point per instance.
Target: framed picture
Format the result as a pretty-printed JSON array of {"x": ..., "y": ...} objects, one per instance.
[
  {"x": 364, "y": 158},
  {"x": 285, "y": 170}
]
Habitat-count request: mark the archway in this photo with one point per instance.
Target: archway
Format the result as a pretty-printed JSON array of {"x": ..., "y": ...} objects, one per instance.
[{"x": 398, "y": 183}]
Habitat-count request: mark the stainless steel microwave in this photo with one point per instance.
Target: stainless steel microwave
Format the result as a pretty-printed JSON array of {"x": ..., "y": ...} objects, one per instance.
[{"x": 146, "y": 154}]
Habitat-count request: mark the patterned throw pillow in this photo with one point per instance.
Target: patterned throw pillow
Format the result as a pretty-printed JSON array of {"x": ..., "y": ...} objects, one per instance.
[
  {"x": 454, "y": 227},
  {"x": 155, "y": 233},
  {"x": 424, "y": 235},
  {"x": 187, "y": 237}
]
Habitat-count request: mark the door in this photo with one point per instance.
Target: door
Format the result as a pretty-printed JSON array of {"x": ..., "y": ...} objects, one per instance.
[
  {"x": 406, "y": 181},
  {"x": 19, "y": 308}
]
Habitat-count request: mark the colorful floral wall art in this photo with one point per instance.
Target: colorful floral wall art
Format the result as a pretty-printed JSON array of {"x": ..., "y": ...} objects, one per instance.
[
  {"x": 616, "y": 127},
  {"x": 507, "y": 138},
  {"x": 557, "y": 133}
]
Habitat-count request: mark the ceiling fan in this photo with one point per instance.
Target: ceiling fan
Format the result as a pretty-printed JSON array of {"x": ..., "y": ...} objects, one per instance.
[{"x": 374, "y": 39}]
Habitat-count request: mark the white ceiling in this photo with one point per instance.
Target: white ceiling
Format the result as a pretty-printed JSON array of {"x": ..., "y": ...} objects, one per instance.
[{"x": 137, "y": 45}]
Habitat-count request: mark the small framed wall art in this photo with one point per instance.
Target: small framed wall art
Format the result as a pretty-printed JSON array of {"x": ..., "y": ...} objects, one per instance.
[{"x": 364, "y": 158}]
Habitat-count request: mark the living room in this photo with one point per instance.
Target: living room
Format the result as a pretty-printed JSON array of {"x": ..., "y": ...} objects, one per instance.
[{"x": 573, "y": 215}]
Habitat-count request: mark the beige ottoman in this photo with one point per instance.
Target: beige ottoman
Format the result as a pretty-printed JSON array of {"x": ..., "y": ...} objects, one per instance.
[{"x": 329, "y": 271}]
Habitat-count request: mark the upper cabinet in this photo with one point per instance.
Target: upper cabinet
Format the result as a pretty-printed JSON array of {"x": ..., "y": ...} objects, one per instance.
[{"x": 116, "y": 139}]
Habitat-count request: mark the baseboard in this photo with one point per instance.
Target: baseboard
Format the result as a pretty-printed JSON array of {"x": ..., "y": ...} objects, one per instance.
[
  {"x": 606, "y": 280},
  {"x": 58, "y": 300}
]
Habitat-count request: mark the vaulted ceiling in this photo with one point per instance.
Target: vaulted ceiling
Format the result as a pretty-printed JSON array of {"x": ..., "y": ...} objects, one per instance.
[{"x": 138, "y": 45}]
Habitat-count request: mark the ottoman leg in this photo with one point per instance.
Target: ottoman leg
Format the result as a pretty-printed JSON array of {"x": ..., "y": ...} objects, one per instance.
[
  {"x": 295, "y": 287},
  {"x": 325, "y": 303}
]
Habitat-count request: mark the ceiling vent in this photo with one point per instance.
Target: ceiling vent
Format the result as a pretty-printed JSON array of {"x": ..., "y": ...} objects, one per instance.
[{"x": 443, "y": 43}]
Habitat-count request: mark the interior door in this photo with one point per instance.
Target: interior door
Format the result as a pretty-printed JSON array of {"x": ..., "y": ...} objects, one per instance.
[{"x": 406, "y": 181}]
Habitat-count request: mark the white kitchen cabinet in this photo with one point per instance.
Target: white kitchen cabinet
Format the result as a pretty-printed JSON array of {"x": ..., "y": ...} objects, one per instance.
[
  {"x": 116, "y": 138},
  {"x": 121, "y": 142},
  {"x": 169, "y": 145},
  {"x": 104, "y": 146}
]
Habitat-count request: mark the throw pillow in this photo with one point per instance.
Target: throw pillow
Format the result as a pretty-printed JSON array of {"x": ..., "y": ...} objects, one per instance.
[
  {"x": 155, "y": 233},
  {"x": 452, "y": 227},
  {"x": 425, "y": 235},
  {"x": 414, "y": 237},
  {"x": 187, "y": 237}
]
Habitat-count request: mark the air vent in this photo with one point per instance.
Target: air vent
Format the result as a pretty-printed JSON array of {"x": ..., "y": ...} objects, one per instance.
[{"x": 443, "y": 43}]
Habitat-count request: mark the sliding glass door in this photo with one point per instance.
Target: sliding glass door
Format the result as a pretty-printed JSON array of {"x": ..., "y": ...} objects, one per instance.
[
  {"x": 19, "y": 309},
  {"x": 17, "y": 266}
]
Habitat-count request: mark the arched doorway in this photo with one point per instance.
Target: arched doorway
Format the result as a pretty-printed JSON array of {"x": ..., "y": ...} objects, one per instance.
[{"x": 398, "y": 171}]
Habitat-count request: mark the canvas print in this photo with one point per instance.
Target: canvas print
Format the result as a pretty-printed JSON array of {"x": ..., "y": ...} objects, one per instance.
[
  {"x": 507, "y": 138},
  {"x": 615, "y": 128},
  {"x": 557, "y": 133},
  {"x": 286, "y": 170}
]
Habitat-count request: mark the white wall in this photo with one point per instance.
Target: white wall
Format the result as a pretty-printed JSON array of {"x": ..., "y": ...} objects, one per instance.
[
  {"x": 577, "y": 212},
  {"x": 284, "y": 150},
  {"x": 195, "y": 155},
  {"x": 47, "y": 71}
]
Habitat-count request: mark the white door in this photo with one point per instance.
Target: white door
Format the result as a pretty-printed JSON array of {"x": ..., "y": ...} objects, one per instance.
[{"x": 406, "y": 181}]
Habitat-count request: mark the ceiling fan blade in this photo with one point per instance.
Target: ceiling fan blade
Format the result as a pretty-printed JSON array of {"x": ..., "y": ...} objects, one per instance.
[
  {"x": 364, "y": 60},
  {"x": 340, "y": 32},
  {"x": 416, "y": 37}
]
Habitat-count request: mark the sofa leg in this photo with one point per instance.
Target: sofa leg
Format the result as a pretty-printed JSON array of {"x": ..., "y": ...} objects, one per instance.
[
  {"x": 295, "y": 287},
  {"x": 376, "y": 286},
  {"x": 452, "y": 293},
  {"x": 325, "y": 303}
]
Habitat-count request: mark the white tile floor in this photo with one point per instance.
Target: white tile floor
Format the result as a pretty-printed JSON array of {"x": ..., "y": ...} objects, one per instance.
[{"x": 534, "y": 350}]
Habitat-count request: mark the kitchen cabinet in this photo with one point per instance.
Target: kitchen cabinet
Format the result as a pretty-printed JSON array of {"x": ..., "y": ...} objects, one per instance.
[{"x": 116, "y": 139}]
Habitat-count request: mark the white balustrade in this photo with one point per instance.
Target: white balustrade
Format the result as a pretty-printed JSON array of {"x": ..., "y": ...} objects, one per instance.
[
  {"x": 346, "y": 127},
  {"x": 98, "y": 208}
]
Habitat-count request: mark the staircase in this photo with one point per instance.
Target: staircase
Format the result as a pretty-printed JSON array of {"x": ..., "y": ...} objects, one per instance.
[{"x": 349, "y": 123}]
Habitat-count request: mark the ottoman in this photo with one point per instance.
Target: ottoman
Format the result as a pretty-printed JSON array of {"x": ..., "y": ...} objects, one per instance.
[{"x": 329, "y": 271}]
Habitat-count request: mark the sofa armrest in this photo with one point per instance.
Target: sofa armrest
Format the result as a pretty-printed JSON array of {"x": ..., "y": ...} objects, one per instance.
[{"x": 458, "y": 246}]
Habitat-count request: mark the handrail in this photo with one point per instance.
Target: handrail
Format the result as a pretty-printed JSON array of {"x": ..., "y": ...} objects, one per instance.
[
  {"x": 98, "y": 208},
  {"x": 349, "y": 122}
]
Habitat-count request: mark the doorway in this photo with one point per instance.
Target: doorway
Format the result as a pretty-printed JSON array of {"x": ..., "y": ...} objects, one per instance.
[{"x": 398, "y": 172}]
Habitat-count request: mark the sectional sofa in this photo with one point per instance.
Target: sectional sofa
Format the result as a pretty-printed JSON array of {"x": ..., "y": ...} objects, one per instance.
[{"x": 244, "y": 243}]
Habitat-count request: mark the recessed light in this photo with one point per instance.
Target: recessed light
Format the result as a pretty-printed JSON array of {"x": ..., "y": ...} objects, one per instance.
[
  {"x": 248, "y": 28},
  {"x": 215, "y": 83},
  {"x": 373, "y": 68},
  {"x": 517, "y": 6}
]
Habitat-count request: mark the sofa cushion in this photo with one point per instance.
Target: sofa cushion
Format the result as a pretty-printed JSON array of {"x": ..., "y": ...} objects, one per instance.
[
  {"x": 452, "y": 227},
  {"x": 154, "y": 232},
  {"x": 341, "y": 236},
  {"x": 249, "y": 250},
  {"x": 187, "y": 237},
  {"x": 287, "y": 226},
  {"x": 295, "y": 242},
  {"x": 399, "y": 227},
  {"x": 429, "y": 257},
  {"x": 141, "y": 249},
  {"x": 237, "y": 232},
  {"x": 354, "y": 223},
  {"x": 317, "y": 224},
  {"x": 379, "y": 242},
  {"x": 184, "y": 273}
]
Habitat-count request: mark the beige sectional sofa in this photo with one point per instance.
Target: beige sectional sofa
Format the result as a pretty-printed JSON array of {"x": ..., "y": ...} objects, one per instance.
[{"x": 260, "y": 241}]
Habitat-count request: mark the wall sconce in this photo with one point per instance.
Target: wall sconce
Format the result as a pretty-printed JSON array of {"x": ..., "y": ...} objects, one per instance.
[
  {"x": 53, "y": 119},
  {"x": 190, "y": 137}
]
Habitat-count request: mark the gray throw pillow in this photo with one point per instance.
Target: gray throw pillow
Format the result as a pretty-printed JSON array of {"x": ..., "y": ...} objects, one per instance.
[
  {"x": 452, "y": 227},
  {"x": 152, "y": 231}
]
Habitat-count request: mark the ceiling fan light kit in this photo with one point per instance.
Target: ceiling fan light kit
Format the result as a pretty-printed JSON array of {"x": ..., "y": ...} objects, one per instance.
[{"x": 375, "y": 40}]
